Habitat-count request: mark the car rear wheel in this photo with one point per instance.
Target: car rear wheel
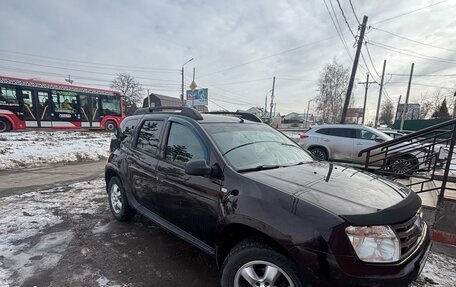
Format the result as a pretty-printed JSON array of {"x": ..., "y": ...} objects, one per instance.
[
  {"x": 118, "y": 202},
  {"x": 110, "y": 126},
  {"x": 4, "y": 126},
  {"x": 319, "y": 153},
  {"x": 252, "y": 263}
]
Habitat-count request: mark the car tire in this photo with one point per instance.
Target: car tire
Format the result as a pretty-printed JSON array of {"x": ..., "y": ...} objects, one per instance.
[
  {"x": 319, "y": 153},
  {"x": 110, "y": 126},
  {"x": 403, "y": 165},
  {"x": 253, "y": 255},
  {"x": 118, "y": 202},
  {"x": 5, "y": 125}
]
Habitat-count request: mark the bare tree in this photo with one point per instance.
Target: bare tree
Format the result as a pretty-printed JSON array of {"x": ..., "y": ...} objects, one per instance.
[
  {"x": 130, "y": 90},
  {"x": 387, "y": 113},
  {"x": 426, "y": 105},
  {"x": 332, "y": 86}
]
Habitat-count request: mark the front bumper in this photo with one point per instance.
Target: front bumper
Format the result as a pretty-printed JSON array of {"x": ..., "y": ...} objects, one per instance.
[{"x": 325, "y": 269}]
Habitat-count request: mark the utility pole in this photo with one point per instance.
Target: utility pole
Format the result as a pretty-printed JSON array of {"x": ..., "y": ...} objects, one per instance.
[
  {"x": 377, "y": 114},
  {"x": 148, "y": 98},
  {"x": 397, "y": 108},
  {"x": 405, "y": 109},
  {"x": 272, "y": 101},
  {"x": 275, "y": 107},
  {"x": 367, "y": 83},
  {"x": 307, "y": 114},
  {"x": 182, "y": 74},
  {"x": 454, "y": 105},
  {"x": 353, "y": 72}
]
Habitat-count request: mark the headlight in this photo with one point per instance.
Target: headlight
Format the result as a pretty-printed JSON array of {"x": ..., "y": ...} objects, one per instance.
[{"x": 377, "y": 244}]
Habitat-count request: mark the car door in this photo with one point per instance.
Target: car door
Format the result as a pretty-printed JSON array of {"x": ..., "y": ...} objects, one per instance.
[
  {"x": 189, "y": 202},
  {"x": 341, "y": 142},
  {"x": 364, "y": 139},
  {"x": 143, "y": 162}
]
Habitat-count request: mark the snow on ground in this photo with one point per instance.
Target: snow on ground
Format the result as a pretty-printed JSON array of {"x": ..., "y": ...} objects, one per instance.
[
  {"x": 35, "y": 148},
  {"x": 440, "y": 270},
  {"x": 25, "y": 218}
]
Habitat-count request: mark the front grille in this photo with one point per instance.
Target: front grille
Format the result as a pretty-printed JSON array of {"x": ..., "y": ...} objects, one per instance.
[{"x": 409, "y": 233}]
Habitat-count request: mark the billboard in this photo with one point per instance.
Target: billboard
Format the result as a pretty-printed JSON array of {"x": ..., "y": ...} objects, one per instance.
[
  {"x": 197, "y": 97},
  {"x": 413, "y": 112}
]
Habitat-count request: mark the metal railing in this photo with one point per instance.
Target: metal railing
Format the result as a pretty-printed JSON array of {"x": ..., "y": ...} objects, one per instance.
[{"x": 425, "y": 155}]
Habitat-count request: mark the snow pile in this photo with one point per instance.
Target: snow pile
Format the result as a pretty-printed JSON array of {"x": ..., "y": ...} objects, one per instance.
[
  {"x": 439, "y": 271},
  {"x": 24, "y": 217},
  {"x": 26, "y": 149}
]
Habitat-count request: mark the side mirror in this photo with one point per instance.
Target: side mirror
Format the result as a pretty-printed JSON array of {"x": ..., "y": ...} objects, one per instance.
[
  {"x": 197, "y": 167},
  {"x": 379, "y": 140}
]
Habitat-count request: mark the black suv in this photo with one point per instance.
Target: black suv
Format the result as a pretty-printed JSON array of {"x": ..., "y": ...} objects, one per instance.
[{"x": 271, "y": 215}]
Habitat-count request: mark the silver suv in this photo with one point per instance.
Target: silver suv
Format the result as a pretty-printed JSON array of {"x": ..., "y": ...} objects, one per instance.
[{"x": 341, "y": 142}]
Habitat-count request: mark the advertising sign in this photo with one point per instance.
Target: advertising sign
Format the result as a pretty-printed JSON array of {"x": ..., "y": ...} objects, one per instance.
[{"x": 197, "y": 97}]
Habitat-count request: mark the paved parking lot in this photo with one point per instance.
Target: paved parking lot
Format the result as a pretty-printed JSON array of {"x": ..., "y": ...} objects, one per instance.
[{"x": 65, "y": 236}]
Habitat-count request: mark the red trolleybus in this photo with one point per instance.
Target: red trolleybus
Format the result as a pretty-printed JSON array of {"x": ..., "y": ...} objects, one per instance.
[{"x": 27, "y": 103}]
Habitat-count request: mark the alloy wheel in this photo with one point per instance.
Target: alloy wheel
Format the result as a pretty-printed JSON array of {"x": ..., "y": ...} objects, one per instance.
[
  {"x": 318, "y": 154},
  {"x": 401, "y": 165},
  {"x": 116, "y": 199},
  {"x": 261, "y": 274}
]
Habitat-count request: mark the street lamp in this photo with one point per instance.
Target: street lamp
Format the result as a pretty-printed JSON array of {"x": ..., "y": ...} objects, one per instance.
[{"x": 182, "y": 73}]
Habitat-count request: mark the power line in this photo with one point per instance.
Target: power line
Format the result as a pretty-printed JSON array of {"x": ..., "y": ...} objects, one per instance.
[
  {"x": 425, "y": 85},
  {"x": 415, "y": 55},
  {"x": 411, "y": 40},
  {"x": 370, "y": 58},
  {"x": 345, "y": 18},
  {"x": 354, "y": 13},
  {"x": 76, "y": 70},
  {"x": 409, "y": 12},
  {"x": 425, "y": 75},
  {"x": 76, "y": 77},
  {"x": 267, "y": 57},
  {"x": 84, "y": 62},
  {"x": 240, "y": 82},
  {"x": 217, "y": 105},
  {"x": 337, "y": 30}
]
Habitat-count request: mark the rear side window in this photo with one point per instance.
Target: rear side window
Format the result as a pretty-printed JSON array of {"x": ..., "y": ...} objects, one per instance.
[
  {"x": 342, "y": 132},
  {"x": 127, "y": 129},
  {"x": 366, "y": 135},
  {"x": 184, "y": 145},
  {"x": 323, "y": 131},
  {"x": 149, "y": 136}
]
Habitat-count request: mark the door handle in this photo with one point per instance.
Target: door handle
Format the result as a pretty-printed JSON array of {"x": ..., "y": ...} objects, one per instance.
[
  {"x": 359, "y": 144},
  {"x": 326, "y": 140}
]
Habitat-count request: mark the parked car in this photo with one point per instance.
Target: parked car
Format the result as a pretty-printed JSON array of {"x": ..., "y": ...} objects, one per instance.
[
  {"x": 343, "y": 142},
  {"x": 261, "y": 205},
  {"x": 392, "y": 133}
]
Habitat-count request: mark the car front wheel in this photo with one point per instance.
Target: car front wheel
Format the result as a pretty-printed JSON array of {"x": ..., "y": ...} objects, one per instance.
[{"x": 252, "y": 263}]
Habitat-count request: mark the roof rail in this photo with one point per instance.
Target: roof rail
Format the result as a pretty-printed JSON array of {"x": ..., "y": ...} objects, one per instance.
[
  {"x": 184, "y": 111},
  {"x": 244, "y": 116}
]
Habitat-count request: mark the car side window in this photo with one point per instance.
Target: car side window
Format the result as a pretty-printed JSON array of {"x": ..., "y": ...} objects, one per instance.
[
  {"x": 366, "y": 135},
  {"x": 127, "y": 129},
  {"x": 342, "y": 132},
  {"x": 184, "y": 145},
  {"x": 323, "y": 131},
  {"x": 149, "y": 136}
]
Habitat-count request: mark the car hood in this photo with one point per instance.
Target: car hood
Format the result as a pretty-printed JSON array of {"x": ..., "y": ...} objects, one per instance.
[{"x": 338, "y": 189}]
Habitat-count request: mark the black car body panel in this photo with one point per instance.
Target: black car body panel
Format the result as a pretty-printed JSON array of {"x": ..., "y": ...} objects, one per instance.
[{"x": 304, "y": 208}]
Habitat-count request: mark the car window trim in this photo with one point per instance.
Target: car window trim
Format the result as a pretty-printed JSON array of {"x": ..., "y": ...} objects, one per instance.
[
  {"x": 136, "y": 137},
  {"x": 193, "y": 129}
]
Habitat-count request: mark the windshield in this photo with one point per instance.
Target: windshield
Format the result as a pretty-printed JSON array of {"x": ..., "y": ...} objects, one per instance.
[{"x": 255, "y": 146}]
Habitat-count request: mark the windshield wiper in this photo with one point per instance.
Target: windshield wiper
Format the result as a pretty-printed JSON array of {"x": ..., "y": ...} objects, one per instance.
[
  {"x": 260, "y": 167},
  {"x": 230, "y": 150}
]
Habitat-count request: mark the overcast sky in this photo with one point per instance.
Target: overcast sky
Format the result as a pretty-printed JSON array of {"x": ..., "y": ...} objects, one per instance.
[{"x": 237, "y": 46}]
